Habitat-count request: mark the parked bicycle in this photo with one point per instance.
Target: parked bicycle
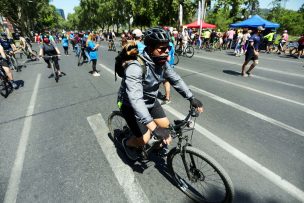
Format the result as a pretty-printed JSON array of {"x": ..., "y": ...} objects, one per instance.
[
  {"x": 188, "y": 50},
  {"x": 194, "y": 172}
]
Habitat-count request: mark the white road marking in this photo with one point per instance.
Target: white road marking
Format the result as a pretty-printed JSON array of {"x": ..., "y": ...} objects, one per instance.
[
  {"x": 268, "y": 174},
  {"x": 279, "y": 82},
  {"x": 259, "y": 168},
  {"x": 246, "y": 110},
  {"x": 241, "y": 86},
  {"x": 123, "y": 172},
  {"x": 14, "y": 180},
  {"x": 258, "y": 67}
]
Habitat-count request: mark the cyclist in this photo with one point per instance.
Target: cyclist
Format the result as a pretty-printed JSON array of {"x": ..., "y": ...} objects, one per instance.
[
  {"x": 7, "y": 44},
  {"x": 111, "y": 37},
  {"x": 139, "y": 88},
  {"x": 284, "y": 40},
  {"x": 185, "y": 39},
  {"x": 50, "y": 49},
  {"x": 6, "y": 68},
  {"x": 26, "y": 46}
]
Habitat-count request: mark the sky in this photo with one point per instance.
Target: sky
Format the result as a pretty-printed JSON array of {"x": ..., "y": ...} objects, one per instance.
[{"x": 68, "y": 5}]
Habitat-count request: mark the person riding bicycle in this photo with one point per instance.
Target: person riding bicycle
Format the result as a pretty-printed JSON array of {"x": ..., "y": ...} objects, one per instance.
[
  {"x": 26, "y": 46},
  {"x": 50, "y": 49},
  {"x": 139, "y": 89},
  {"x": 283, "y": 41},
  {"x": 7, "y": 70},
  {"x": 111, "y": 37},
  {"x": 7, "y": 44}
]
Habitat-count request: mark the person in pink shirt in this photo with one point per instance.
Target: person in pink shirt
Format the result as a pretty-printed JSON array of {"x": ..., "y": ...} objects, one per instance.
[
  {"x": 284, "y": 40},
  {"x": 230, "y": 33}
]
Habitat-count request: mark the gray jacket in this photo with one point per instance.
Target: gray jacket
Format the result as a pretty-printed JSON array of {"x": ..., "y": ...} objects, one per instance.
[{"x": 139, "y": 90}]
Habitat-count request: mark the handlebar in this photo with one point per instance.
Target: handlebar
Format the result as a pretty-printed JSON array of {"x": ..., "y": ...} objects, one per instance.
[{"x": 49, "y": 57}]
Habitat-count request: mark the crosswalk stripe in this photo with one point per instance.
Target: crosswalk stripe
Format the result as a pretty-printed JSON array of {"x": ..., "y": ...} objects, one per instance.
[{"x": 122, "y": 172}]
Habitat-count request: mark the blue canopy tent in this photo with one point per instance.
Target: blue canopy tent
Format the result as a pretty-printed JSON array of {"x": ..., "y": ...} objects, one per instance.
[{"x": 254, "y": 22}]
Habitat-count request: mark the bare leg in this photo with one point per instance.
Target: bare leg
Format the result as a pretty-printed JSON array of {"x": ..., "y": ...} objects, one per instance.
[
  {"x": 167, "y": 90},
  {"x": 8, "y": 73},
  {"x": 244, "y": 67},
  {"x": 252, "y": 66}
]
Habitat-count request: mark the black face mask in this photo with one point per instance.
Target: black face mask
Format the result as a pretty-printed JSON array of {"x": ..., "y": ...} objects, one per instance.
[{"x": 159, "y": 60}]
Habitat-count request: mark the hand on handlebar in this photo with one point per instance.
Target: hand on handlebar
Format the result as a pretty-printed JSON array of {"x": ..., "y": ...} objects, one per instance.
[
  {"x": 197, "y": 104},
  {"x": 161, "y": 133}
]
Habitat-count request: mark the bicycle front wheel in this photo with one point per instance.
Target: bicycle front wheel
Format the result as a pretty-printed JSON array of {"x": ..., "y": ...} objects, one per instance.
[
  {"x": 80, "y": 57},
  {"x": 200, "y": 176},
  {"x": 176, "y": 59},
  {"x": 189, "y": 51},
  {"x": 118, "y": 126}
]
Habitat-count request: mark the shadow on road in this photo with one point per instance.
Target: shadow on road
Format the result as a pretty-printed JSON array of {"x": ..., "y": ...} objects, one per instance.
[
  {"x": 242, "y": 196},
  {"x": 231, "y": 72}
]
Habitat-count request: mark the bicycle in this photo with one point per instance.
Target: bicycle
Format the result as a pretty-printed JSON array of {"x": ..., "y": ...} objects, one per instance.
[
  {"x": 188, "y": 50},
  {"x": 184, "y": 160},
  {"x": 112, "y": 46},
  {"x": 12, "y": 61},
  {"x": 176, "y": 59},
  {"x": 53, "y": 66},
  {"x": 5, "y": 85}
]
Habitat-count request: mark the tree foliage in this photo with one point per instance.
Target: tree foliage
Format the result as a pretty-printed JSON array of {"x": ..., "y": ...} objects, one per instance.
[{"x": 29, "y": 15}]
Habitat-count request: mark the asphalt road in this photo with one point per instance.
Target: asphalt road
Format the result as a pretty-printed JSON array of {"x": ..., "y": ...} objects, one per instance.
[{"x": 54, "y": 149}]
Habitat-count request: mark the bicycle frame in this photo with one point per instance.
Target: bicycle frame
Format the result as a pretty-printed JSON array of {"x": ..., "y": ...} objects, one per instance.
[{"x": 176, "y": 131}]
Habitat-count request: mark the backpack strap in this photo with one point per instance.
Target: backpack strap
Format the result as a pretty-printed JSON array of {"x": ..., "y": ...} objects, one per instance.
[{"x": 142, "y": 64}]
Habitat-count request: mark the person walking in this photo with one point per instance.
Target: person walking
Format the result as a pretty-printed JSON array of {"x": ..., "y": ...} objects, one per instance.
[
  {"x": 92, "y": 49},
  {"x": 252, "y": 52},
  {"x": 65, "y": 45}
]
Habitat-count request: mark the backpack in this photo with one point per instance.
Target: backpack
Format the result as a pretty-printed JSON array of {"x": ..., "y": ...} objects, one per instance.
[{"x": 127, "y": 56}]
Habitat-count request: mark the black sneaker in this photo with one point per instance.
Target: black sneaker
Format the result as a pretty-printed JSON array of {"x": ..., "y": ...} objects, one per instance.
[{"x": 131, "y": 152}]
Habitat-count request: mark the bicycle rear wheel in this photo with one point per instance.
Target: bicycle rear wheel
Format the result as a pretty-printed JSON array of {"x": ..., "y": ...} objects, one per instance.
[
  {"x": 206, "y": 181},
  {"x": 118, "y": 126},
  {"x": 176, "y": 59},
  {"x": 189, "y": 51}
]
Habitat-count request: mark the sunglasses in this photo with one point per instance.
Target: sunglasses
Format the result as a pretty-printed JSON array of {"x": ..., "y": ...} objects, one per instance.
[{"x": 164, "y": 49}]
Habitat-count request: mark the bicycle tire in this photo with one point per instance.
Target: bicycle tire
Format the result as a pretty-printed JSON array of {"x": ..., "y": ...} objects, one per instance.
[
  {"x": 200, "y": 176},
  {"x": 118, "y": 126},
  {"x": 189, "y": 51},
  {"x": 176, "y": 59},
  {"x": 178, "y": 49},
  {"x": 15, "y": 63},
  {"x": 4, "y": 87},
  {"x": 79, "y": 59}
]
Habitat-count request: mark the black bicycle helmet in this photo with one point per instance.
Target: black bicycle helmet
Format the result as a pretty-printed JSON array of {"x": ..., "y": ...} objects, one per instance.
[
  {"x": 155, "y": 35},
  {"x": 3, "y": 34}
]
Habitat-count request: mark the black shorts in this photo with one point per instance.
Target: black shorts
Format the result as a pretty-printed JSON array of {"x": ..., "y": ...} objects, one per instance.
[
  {"x": 269, "y": 43},
  {"x": 3, "y": 63},
  {"x": 300, "y": 47},
  {"x": 138, "y": 129},
  {"x": 249, "y": 58}
]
